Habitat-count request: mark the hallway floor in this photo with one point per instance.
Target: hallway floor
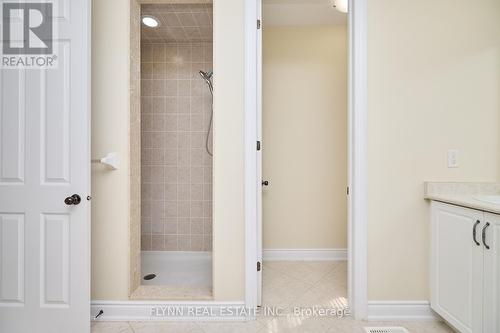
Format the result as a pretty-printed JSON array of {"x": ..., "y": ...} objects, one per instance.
[{"x": 286, "y": 285}]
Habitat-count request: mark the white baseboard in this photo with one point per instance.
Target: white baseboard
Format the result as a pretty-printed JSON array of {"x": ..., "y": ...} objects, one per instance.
[
  {"x": 236, "y": 311},
  {"x": 304, "y": 254},
  {"x": 401, "y": 311},
  {"x": 169, "y": 311}
]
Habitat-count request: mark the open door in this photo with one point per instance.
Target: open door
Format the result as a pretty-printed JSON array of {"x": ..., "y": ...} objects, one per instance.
[
  {"x": 45, "y": 167},
  {"x": 261, "y": 181}
]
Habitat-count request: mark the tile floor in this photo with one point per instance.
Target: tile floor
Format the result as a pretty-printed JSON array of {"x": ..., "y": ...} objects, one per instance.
[{"x": 287, "y": 285}]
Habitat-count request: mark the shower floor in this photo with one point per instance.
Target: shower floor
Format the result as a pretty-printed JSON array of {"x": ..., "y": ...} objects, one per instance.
[{"x": 177, "y": 268}]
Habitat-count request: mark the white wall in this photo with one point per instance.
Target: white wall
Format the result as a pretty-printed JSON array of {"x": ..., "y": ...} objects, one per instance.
[
  {"x": 305, "y": 137},
  {"x": 433, "y": 84}
]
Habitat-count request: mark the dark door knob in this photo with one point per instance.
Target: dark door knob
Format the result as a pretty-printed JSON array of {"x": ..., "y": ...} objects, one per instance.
[
  {"x": 73, "y": 200},
  {"x": 265, "y": 183}
]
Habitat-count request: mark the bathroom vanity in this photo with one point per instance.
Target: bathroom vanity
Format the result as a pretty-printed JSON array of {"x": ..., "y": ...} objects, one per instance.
[{"x": 465, "y": 255}]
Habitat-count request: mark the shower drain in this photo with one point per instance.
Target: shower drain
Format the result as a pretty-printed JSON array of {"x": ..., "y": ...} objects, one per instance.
[
  {"x": 149, "y": 277},
  {"x": 386, "y": 330}
]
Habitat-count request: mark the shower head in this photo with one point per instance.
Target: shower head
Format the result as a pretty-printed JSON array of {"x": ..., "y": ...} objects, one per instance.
[{"x": 207, "y": 76}]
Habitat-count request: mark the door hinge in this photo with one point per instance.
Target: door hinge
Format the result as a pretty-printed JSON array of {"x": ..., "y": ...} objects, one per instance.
[
  {"x": 259, "y": 266},
  {"x": 258, "y": 145},
  {"x": 259, "y": 24}
]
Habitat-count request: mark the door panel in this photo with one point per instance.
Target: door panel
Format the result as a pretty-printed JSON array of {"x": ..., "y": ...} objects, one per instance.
[
  {"x": 12, "y": 122},
  {"x": 456, "y": 267},
  {"x": 44, "y": 158},
  {"x": 54, "y": 259},
  {"x": 492, "y": 275},
  {"x": 55, "y": 122},
  {"x": 12, "y": 259}
]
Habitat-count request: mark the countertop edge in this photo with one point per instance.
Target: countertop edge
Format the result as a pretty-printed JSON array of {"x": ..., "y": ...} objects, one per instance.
[{"x": 466, "y": 201}]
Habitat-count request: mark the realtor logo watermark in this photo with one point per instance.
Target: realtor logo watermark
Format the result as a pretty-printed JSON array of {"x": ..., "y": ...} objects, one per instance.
[{"x": 28, "y": 35}]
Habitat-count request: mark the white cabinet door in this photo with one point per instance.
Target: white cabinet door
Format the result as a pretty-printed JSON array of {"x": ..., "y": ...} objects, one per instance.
[
  {"x": 457, "y": 266},
  {"x": 492, "y": 274},
  {"x": 45, "y": 158}
]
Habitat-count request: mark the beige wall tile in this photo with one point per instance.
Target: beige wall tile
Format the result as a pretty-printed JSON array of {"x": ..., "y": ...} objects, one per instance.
[
  {"x": 197, "y": 227},
  {"x": 196, "y": 243},
  {"x": 184, "y": 192},
  {"x": 184, "y": 242},
  {"x": 146, "y": 242},
  {"x": 184, "y": 228},
  {"x": 197, "y": 192},
  {"x": 171, "y": 243},
  {"x": 170, "y": 226},
  {"x": 157, "y": 242},
  {"x": 176, "y": 169},
  {"x": 207, "y": 243},
  {"x": 196, "y": 175}
]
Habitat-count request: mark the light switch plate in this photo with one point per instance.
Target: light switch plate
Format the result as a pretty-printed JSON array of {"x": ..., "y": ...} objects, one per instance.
[{"x": 453, "y": 161}]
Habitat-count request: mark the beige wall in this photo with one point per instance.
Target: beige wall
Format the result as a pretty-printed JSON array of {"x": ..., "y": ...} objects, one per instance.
[
  {"x": 110, "y": 130},
  {"x": 228, "y": 173},
  {"x": 305, "y": 137},
  {"x": 434, "y": 84}
]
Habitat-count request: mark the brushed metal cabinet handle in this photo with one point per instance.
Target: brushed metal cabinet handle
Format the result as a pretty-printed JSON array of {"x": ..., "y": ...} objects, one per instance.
[
  {"x": 484, "y": 236},
  {"x": 474, "y": 232}
]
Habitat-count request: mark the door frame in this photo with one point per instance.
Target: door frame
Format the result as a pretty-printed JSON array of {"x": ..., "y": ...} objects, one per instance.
[{"x": 357, "y": 155}]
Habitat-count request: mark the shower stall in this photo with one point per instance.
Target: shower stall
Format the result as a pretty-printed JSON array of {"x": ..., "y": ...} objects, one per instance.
[{"x": 176, "y": 147}]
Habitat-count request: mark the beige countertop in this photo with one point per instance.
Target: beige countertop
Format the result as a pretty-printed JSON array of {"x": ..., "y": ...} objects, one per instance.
[{"x": 470, "y": 195}]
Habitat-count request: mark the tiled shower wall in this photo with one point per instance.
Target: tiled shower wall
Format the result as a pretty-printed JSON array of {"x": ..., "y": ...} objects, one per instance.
[{"x": 176, "y": 172}]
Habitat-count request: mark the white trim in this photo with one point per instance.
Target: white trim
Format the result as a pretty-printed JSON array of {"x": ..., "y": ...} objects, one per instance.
[
  {"x": 251, "y": 172},
  {"x": 305, "y": 254},
  {"x": 401, "y": 311},
  {"x": 357, "y": 179},
  {"x": 357, "y": 169},
  {"x": 188, "y": 310}
]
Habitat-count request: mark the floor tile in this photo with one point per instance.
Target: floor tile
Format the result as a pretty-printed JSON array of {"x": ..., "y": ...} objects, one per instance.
[
  {"x": 280, "y": 289},
  {"x": 306, "y": 271},
  {"x": 229, "y": 327},
  {"x": 334, "y": 281},
  {"x": 427, "y": 327},
  {"x": 289, "y": 285},
  {"x": 165, "y": 327},
  {"x": 295, "y": 324},
  {"x": 110, "y": 327}
]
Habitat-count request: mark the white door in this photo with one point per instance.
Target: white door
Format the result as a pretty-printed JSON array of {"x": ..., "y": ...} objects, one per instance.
[
  {"x": 491, "y": 245},
  {"x": 44, "y": 159},
  {"x": 457, "y": 266},
  {"x": 259, "y": 154}
]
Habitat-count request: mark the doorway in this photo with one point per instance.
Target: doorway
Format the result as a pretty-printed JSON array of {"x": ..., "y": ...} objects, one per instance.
[
  {"x": 356, "y": 151},
  {"x": 304, "y": 148},
  {"x": 176, "y": 150}
]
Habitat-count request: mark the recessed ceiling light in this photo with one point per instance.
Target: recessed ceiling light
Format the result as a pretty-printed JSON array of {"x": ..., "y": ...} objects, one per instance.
[
  {"x": 150, "y": 21},
  {"x": 341, "y": 5}
]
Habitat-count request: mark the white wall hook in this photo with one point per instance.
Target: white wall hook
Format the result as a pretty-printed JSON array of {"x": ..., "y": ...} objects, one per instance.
[{"x": 110, "y": 160}]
